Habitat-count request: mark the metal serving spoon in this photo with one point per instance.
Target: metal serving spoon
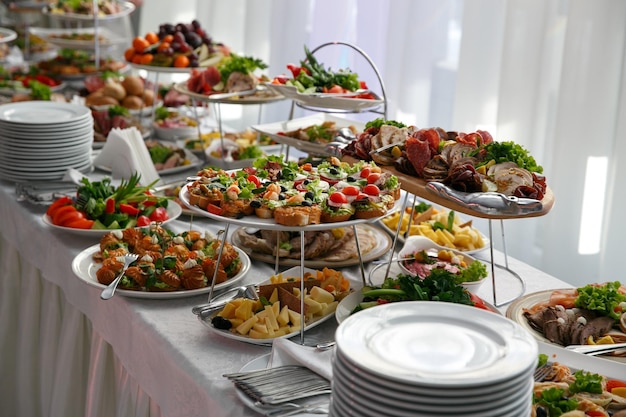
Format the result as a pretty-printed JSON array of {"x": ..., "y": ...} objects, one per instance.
[{"x": 219, "y": 301}]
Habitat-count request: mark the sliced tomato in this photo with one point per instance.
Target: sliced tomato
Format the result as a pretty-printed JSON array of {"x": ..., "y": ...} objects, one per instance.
[
  {"x": 350, "y": 190},
  {"x": 594, "y": 413},
  {"x": 109, "y": 206},
  {"x": 614, "y": 383},
  {"x": 60, "y": 212},
  {"x": 363, "y": 85},
  {"x": 336, "y": 89},
  {"x": 338, "y": 198},
  {"x": 478, "y": 302},
  {"x": 60, "y": 202},
  {"x": 371, "y": 189},
  {"x": 365, "y": 172},
  {"x": 159, "y": 215},
  {"x": 69, "y": 217},
  {"x": 213, "y": 209},
  {"x": 81, "y": 224},
  {"x": 255, "y": 180},
  {"x": 143, "y": 221}
]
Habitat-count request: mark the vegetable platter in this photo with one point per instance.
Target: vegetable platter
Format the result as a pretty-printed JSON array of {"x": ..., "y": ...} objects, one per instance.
[{"x": 99, "y": 207}]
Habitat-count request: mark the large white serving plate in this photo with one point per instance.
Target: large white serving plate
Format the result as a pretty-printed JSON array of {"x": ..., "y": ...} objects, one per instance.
[
  {"x": 383, "y": 244},
  {"x": 34, "y": 115},
  {"x": 516, "y": 313},
  {"x": 126, "y": 9},
  {"x": 257, "y": 222},
  {"x": 106, "y": 37},
  {"x": 273, "y": 129},
  {"x": 431, "y": 344},
  {"x": 295, "y": 271},
  {"x": 37, "y": 151},
  {"x": 85, "y": 269},
  {"x": 327, "y": 100},
  {"x": 173, "y": 211}
]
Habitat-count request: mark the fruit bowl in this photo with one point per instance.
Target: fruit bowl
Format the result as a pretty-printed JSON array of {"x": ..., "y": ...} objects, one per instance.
[{"x": 449, "y": 258}]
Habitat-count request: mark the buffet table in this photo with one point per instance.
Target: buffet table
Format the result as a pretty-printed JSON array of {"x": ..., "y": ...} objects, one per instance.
[{"x": 65, "y": 352}]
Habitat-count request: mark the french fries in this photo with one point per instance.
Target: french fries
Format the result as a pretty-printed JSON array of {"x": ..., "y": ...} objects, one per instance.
[{"x": 462, "y": 237}]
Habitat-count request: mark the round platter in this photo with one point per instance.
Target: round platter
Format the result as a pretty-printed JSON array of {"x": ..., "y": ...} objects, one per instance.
[
  {"x": 173, "y": 211},
  {"x": 260, "y": 95},
  {"x": 126, "y": 9},
  {"x": 85, "y": 269},
  {"x": 383, "y": 244},
  {"x": 270, "y": 224},
  {"x": 7, "y": 35},
  {"x": 33, "y": 115}
]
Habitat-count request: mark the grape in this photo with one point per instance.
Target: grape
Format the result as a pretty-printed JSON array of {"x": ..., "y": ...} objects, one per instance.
[
  {"x": 194, "y": 62},
  {"x": 181, "y": 27},
  {"x": 175, "y": 45},
  {"x": 179, "y": 37},
  {"x": 193, "y": 39},
  {"x": 195, "y": 24}
]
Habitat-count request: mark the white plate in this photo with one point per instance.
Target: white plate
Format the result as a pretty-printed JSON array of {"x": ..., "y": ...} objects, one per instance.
[
  {"x": 173, "y": 211},
  {"x": 108, "y": 37},
  {"x": 262, "y": 362},
  {"x": 261, "y": 95},
  {"x": 383, "y": 244},
  {"x": 38, "y": 113},
  {"x": 272, "y": 130},
  {"x": 7, "y": 35},
  {"x": 326, "y": 101},
  {"x": 127, "y": 8},
  {"x": 516, "y": 313},
  {"x": 253, "y": 221},
  {"x": 295, "y": 271},
  {"x": 174, "y": 133},
  {"x": 436, "y": 344},
  {"x": 85, "y": 269}
]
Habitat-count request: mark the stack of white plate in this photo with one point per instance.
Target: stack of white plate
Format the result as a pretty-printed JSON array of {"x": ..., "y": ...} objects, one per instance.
[
  {"x": 40, "y": 140},
  {"x": 429, "y": 358}
]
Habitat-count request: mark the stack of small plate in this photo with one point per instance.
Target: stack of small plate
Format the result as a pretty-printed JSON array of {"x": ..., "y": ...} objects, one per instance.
[
  {"x": 429, "y": 358},
  {"x": 41, "y": 140}
]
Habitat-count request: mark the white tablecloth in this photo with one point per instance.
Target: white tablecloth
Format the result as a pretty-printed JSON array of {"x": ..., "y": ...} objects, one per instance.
[{"x": 66, "y": 353}]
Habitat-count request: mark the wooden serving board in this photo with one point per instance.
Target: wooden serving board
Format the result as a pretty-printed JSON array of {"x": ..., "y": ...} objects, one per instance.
[{"x": 417, "y": 186}]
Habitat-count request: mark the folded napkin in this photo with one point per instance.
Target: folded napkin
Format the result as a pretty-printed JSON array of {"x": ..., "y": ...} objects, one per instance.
[
  {"x": 286, "y": 352},
  {"x": 125, "y": 152}
]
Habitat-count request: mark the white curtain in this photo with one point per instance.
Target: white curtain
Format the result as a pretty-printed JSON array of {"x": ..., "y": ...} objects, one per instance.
[{"x": 548, "y": 74}]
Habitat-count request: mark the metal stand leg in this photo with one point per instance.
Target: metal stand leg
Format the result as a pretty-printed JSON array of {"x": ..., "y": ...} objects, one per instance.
[
  {"x": 219, "y": 260},
  {"x": 504, "y": 267},
  {"x": 358, "y": 250},
  {"x": 395, "y": 236}
]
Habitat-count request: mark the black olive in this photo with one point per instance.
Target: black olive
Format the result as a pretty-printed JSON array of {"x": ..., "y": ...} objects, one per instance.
[
  {"x": 333, "y": 171},
  {"x": 283, "y": 189},
  {"x": 305, "y": 182},
  {"x": 307, "y": 203},
  {"x": 541, "y": 412},
  {"x": 255, "y": 204},
  {"x": 220, "y": 322},
  {"x": 309, "y": 195},
  {"x": 281, "y": 196},
  {"x": 350, "y": 179}
]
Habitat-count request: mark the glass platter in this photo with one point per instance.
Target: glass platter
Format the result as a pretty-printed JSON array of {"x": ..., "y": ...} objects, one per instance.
[
  {"x": 327, "y": 101},
  {"x": 85, "y": 269},
  {"x": 126, "y": 9}
]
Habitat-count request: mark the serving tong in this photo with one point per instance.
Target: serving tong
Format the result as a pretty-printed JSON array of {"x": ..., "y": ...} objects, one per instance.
[{"x": 593, "y": 350}]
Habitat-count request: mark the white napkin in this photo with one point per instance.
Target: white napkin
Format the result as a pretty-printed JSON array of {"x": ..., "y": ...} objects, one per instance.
[
  {"x": 125, "y": 152},
  {"x": 286, "y": 352}
]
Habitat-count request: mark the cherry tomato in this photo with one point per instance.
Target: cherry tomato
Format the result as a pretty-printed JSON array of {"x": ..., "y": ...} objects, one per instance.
[
  {"x": 338, "y": 198},
  {"x": 159, "y": 215},
  {"x": 143, "y": 221},
  {"x": 213, "y": 209},
  {"x": 361, "y": 196},
  {"x": 371, "y": 189},
  {"x": 254, "y": 179},
  {"x": 63, "y": 201},
  {"x": 365, "y": 172},
  {"x": 373, "y": 177},
  {"x": 363, "y": 85},
  {"x": 614, "y": 383},
  {"x": 109, "y": 207},
  {"x": 350, "y": 190},
  {"x": 336, "y": 89}
]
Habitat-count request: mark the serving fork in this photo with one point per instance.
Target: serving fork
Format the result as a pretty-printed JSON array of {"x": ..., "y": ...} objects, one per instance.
[{"x": 108, "y": 292}]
